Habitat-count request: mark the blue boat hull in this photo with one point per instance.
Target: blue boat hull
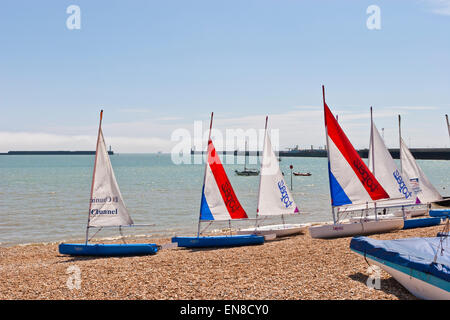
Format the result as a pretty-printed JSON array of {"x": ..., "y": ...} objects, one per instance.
[
  {"x": 218, "y": 241},
  {"x": 421, "y": 222},
  {"x": 417, "y": 263},
  {"x": 443, "y": 213},
  {"x": 108, "y": 250}
]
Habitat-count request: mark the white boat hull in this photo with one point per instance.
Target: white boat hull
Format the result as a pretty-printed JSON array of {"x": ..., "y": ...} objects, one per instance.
[
  {"x": 355, "y": 228},
  {"x": 388, "y": 216},
  {"x": 417, "y": 287},
  {"x": 281, "y": 230},
  {"x": 417, "y": 212},
  {"x": 411, "y": 212}
]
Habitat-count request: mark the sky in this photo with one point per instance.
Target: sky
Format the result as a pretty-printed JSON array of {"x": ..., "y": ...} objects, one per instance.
[{"x": 158, "y": 66}]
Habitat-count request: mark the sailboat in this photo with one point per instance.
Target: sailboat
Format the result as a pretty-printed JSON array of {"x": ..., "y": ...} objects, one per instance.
[
  {"x": 274, "y": 197},
  {"x": 440, "y": 210},
  {"x": 302, "y": 174},
  {"x": 218, "y": 202},
  {"x": 106, "y": 209},
  {"x": 425, "y": 190},
  {"x": 385, "y": 170},
  {"x": 397, "y": 185},
  {"x": 351, "y": 183},
  {"x": 246, "y": 171},
  {"x": 421, "y": 265}
]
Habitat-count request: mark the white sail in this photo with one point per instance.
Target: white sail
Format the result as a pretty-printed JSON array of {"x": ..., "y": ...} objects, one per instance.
[
  {"x": 382, "y": 165},
  {"x": 448, "y": 125},
  {"x": 420, "y": 184},
  {"x": 274, "y": 195},
  {"x": 106, "y": 207}
]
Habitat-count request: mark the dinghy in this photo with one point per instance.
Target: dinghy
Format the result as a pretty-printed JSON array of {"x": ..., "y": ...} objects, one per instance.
[
  {"x": 218, "y": 241},
  {"x": 421, "y": 265},
  {"x": 274, "y": 197},
  {"x": 106, "y": 209},
  {"x": 442, "y": 213},
  {"x": 443, "y": 204},
  {"x": 402, "y": 202},
  {"x": 246, "y": 172},
  {"x": 424, "y": 189},
  {"x": 408, "y": 221},
  {"x": 396, "y": 183},
  {"x": 108, "y": 250},
  {"x": 421, "y": 222},
  {"x": 351, "y": 183},
  {"x": 301, "y": 174},
  {"x": 218, "y": 203}
]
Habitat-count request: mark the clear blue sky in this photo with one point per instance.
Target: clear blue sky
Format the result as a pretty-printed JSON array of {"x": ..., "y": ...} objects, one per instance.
[{"x": 156, "y": 66}]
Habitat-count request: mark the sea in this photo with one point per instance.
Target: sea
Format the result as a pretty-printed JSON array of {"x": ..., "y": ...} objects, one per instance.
[{"x": 45, "y": 198}]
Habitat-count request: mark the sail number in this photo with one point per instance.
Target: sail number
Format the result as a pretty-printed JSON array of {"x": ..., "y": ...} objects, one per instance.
[
  {"x": 229, "y": 198},
  {"x": 366, "y": 179}
]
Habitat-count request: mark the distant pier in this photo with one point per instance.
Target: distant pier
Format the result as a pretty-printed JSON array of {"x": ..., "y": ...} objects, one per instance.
[
  {"x": 32, "y": 153},
  {"x": 418, "y": 153}
]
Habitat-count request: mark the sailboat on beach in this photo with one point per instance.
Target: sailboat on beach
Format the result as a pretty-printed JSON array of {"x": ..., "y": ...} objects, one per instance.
[
  {"x": 403, "y": 201},
  {"x": 396, "y": 183},
  {"x": 274, "y": 197},
  {"x": 218, "y": 203},
  {"x": 442, "y": 208},
  {"x": 425, "y": 190},
  {"x": 421, "y": 265},
  {"x": 351, "y": 183},
  {"x": 106, "y": 209}
]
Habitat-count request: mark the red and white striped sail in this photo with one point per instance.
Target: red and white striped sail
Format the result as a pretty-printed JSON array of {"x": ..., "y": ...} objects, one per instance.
[
  {"x": 107, "y": 208},
  {"x": 219, "y": 202},
  {"x": 351, "y": 181},
  {"x": 274, "y": 195}
]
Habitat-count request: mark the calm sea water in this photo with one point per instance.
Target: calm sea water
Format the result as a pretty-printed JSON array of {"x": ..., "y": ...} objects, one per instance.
[{"x": 46, "y": 198}]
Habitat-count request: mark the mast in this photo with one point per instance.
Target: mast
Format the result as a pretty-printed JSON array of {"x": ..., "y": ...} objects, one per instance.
[
  {"x": 262, "y": 162},
  {"x": 448, "y": 125},
  {"x": 372, "y": 157},
  {"x": 400, "y": 142},
  {"x": 328, "y": 151},
  {"x": 204, "y": 175},
  {"x": 93, "y": 176},
  {"x": 245, "y": 155}
]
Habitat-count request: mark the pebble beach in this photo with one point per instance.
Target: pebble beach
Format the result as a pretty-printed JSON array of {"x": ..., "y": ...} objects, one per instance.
[{"x": 297, "y": 267}]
